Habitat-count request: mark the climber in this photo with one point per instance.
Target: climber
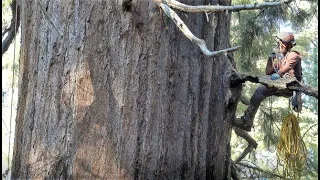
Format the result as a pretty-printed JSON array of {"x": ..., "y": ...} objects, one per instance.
[{"x": 282, "y": 63}]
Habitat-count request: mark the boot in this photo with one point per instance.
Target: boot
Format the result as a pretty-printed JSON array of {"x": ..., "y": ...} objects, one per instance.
[
  {"x": 296, "y": 101},
  {"x": 245, "y": 122}
]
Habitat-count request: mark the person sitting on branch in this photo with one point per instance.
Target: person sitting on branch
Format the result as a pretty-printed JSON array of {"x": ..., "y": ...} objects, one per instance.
[{"x": 283, "y": 63}]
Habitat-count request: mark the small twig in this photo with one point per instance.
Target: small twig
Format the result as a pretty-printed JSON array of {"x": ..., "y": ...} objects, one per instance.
[
  {"x": 47, "y": 16},
  {"x": 216, "y": 8},
  {"x": 246, "y": 151},
  {"x": 5, "y": 125},
  {"x": 207, "y": 17},
  {"x": 234, "y": 174},
  {"x": 316, "y": 45},
  {"x": 5, "y": 31},
  {"x": 309, "y": 129},
  {"x": 255, "y": 167},
  {"x": 269, "y": 116},
  {"x": 184, "y": 29}
]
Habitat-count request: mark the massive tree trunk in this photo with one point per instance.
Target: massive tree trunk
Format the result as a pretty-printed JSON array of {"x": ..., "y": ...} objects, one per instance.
[{"x": 122, "y": 94}]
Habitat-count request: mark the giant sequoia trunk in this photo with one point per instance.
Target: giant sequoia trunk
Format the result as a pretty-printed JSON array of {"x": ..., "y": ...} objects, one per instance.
[{"x": 122, "y": 94}]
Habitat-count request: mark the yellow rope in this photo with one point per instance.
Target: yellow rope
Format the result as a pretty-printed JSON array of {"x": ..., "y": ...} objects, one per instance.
[{"x": 291, "y": 149}]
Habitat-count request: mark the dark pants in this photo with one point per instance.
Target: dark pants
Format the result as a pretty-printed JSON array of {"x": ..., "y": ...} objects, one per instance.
[{"x": 258, "y": 96}]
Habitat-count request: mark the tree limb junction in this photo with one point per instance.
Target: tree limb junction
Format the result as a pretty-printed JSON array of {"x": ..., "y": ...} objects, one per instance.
[
  {"x": 281, "y": 83},
  {"x": 217, "y": 8},
  {"x": 185, "y": 30}
]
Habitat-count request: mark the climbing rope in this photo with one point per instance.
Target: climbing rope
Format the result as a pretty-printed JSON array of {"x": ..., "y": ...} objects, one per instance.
[{"x": 291, "y": 149}]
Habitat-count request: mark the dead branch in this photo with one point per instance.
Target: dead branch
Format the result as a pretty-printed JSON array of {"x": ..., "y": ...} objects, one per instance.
[
  {"x": 255, "y": 167},
  {"x": 13, "y": 28},
  {"x": 216, "y": 8},
  {"x": 314, "y": 43},
  {"x": 234, "y": 174},
  {"x": 185, "y": 30},
  {"x": 281, "y": 84},
  {"x": 309, "y": 129},
  {"x": 5, "y": 31},
  {"x": 251, "y": 143}
]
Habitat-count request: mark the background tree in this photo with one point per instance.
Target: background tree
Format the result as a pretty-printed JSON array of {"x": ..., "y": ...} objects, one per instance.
[
  {"x": 11, "y": 46},
  {"x": 9, "y": 30}
]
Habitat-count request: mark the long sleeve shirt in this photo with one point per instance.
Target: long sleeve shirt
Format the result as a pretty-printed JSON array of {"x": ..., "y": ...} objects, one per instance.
[{"x": 290, "y": 64}]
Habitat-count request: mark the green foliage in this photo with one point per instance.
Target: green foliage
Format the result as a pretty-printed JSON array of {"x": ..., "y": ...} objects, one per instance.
[{"x": 255, "y": 31}]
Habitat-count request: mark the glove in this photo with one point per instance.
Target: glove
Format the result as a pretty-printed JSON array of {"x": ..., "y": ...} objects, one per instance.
[
  {"x": 275, "y": 76},
  {"x": 272, "y": 55}
]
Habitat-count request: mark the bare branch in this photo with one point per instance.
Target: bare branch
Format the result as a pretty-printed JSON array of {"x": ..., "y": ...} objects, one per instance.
[
  {"x": 234, "y": 174},
  {"x": 259, "y": 169},
  {"x": 5, "y": 31},
  {"x": 314, "y": 43},
  {"x": 309, "y": 129},
  {"x": 251, "y": 143},
  {"x": 216, "y": 8},
  {"x": 280, "y": 84},
  {"x": 13, "y": 28},
  {"x": 184, "y": 29}
]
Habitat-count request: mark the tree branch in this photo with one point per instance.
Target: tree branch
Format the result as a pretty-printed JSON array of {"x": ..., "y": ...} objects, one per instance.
[
  {"x": 316, "y": 45},
  {"x": 216, "y": 8},
  {"x": 251, "y": 143},
  {"x": 5, "y": 31},
  {"x": 13, "y": 28},
  {"x": 234, "y": 174},
  {"x": 309, "y": 129},
  {"x": 280, "y": 84},
  {"x": 259, "y": 169},
  {"x": 184, "y": 29}
]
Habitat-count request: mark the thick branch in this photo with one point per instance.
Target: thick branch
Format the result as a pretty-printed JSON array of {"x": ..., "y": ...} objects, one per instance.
[
  {"x": 184, "y": 29},
  {"x": 215, "y": 8},
  {"x": 13, "y": 28},
  {"x": 280, "y": 84}
]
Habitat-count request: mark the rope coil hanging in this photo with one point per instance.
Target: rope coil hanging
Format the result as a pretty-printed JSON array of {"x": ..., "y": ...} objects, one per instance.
[{"x": 291, "y": 149}]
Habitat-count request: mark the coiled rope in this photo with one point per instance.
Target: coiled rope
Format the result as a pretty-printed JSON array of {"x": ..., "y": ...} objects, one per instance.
[{"x": 291, "y": 149}]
